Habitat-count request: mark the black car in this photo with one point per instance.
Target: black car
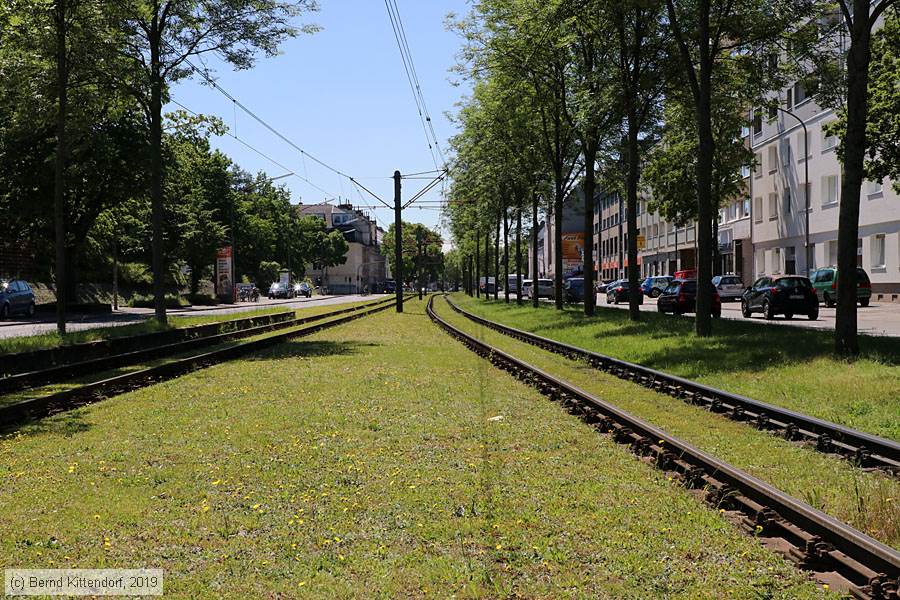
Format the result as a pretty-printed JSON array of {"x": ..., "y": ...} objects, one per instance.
[
  {"x": 390, "y": 287},
  {"x": 303, "y": 289},
  {"x": 787, "y": 295},
  {"x": 16, "y": 296},
  {"x": 280, "y": 290},
  {"x": 574, "y": 289},
  {"x": 618, "y": 292},
  {"x": 681, "y": 297}
]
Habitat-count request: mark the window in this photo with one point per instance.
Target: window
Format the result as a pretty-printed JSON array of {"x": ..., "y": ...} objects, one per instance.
[
  {"x": 757, "y": 121},
  {"x": 758, "y": 168},
  {"x": 829, "y": 190},
  {"x": 790, "y": 260},
  {"x": 760, "y": 262},
  {"x": 874, "y": 187},
  {"x": 773, "y": 206},
  {"x": 829, "y": 142},
  {"x": 800, "y": 95},
  {"x": 832, "y": 257},
  {"x": 807, "y": 199},
  {"x": 786, "y": 207},
  {"x": 878, "y": 251},
  {"x": 745, "y": 208},
  {"x": 804, "y": 146},
  {"x": 773, "y": 159},
  {"x": 776, "y": 260},
  {"x": 745, "y": 171},
  {"x": 772, "y": 113},
  {"x": 758, "y": 209}
]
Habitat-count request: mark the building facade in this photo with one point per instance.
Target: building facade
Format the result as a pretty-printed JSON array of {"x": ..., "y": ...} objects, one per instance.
[
  {"x": 796, "y": 189},
  {"x": 365, "y": 268}
]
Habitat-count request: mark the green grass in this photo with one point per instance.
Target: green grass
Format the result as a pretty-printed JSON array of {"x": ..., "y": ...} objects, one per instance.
[
  {"x": 786, "y": 366},
  {"x": 868, "y": 501},
  {"x": 366, "y": 462},
  {"x": 52, "y": 339}
]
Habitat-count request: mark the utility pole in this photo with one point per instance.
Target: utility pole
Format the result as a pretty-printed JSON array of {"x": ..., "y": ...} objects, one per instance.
[
  {"x": 419, "y": 260},
  {"x": 398, "y": 244}
]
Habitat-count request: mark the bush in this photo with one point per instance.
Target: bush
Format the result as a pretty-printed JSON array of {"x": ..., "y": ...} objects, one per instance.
[{"x": 172, "y": 301}]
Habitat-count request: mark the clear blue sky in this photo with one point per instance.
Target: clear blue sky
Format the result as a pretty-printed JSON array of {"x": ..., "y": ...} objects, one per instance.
[{"x": 342, "y": 95}]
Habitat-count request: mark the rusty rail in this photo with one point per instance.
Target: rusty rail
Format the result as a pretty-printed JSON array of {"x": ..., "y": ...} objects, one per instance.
[
  {"x": 837, "y": 553},
  {"x": 863, "y": 449}
]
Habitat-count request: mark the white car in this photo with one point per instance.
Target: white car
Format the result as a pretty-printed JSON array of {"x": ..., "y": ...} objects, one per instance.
[
  {"x": 544, "y": 288},
  {"x": 729, "y": 287}
]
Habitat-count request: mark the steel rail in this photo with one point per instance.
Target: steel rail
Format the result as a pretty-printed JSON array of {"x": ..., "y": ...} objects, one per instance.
[
  {"x": 39, "y": 407},
  {"x": 863, "y": 449},
  {"x": 839, "y": 554},
  {"x": 65, "y": 371}
]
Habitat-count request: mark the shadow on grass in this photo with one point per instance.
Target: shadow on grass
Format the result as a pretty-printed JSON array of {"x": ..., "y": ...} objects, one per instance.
[
  {"x": 66, "y": 423},
  {"x": 300, "y": 348},
  {"x": 668, "y": 343}
]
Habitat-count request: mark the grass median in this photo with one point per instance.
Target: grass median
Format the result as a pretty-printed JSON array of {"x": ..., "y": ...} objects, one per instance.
[
  {"x": 52, "y": 339},
  {"x": 378, "y": 459},
  {"x": 787, "y": 366},
  {"x": 868, "y": 501}
]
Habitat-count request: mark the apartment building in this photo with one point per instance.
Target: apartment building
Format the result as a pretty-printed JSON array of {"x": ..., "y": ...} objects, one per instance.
[
  {"x": 573, "y": 239},
  {"x": 795, "y": 191},
  {"x": 667, "y": 247},
  {"x": 365, "y": 266}
]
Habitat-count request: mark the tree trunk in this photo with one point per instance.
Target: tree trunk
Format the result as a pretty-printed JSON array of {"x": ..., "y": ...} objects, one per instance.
[
  {"x": 487, "y": 262},
  {"x": 634, "y": 309},
  {"x": 477, "y": 264},
  {"x": 505, "y": 254},
  {"x": 519, "y": 250},
  {"x": 156, "y": 175},
  {"x": 589, "y": 186},
  {"x": 534, "y": 246},
  {"x": 497, "y": 260},
  {"x": 854, "y": 144},
  {"x": 59, "y": 189},
  {"x": 717, "y": 257},
  {"x": 557, "y": 243},
  {"x": 705, "y": 150}
]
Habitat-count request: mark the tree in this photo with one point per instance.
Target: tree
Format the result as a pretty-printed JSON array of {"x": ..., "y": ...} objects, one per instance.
[
  {"x": 432, "y": 245},
  {"x": 161, "y": 36},
  {"x": 860, "y": 17},
  {"x": 709, "y": 34}
]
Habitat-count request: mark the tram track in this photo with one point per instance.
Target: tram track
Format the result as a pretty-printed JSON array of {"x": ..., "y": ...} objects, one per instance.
[
  {"x": 861, "y": 448},
  {"x": 837, "y": 553},
  {"x": 40, "y": 406}
]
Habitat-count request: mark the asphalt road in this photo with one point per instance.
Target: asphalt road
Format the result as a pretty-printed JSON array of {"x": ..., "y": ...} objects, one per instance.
[
  {"x": 879, "y": 318},
  {"x": 44, "y": 323}
]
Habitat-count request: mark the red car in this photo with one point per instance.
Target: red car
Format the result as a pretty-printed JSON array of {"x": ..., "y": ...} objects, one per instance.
[{"x": 681, "y": 298}]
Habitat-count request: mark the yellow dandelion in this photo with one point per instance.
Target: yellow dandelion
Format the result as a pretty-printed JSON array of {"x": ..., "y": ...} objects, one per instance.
[{"x": 301, "y": 584}]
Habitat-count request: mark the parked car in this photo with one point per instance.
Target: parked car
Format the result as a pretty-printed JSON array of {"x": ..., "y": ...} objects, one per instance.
[
  {"x": 390, "y": 287},
  {"x": 512, "y": 283},
  {"x": 686, "y": 274},
  {"x": 654, "y": 286},
  {"x": 573, "y": 289},
  {"x": 619, "y": 292},
  {"x": 729, "y": 287},
  {"x": 280, "y": 290},
  {"x": 681, "y": 298},
  {"x": 786, "y": 295},
  {"x": 825, "y": 282},
  {"x": 544, "y": 288},
  {"x": 604, "y": 288},
  {"x": 16, "y": 296},
  {"x": 303, "y": 289}
]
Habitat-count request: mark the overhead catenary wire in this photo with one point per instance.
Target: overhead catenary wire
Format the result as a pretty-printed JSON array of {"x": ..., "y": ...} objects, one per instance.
[{"x": 263, "y": 155}]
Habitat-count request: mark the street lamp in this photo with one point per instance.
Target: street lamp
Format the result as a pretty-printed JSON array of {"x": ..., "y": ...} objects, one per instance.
[{"x": 806, "y": 184}]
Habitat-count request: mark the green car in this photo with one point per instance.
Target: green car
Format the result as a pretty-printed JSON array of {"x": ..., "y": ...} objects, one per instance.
[{"x": 825, "y": 282}]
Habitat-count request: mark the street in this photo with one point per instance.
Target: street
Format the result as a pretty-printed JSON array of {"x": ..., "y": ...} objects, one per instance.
[
  {"x": 879, "y": 318},
  {"x": 46, "y": 323}
]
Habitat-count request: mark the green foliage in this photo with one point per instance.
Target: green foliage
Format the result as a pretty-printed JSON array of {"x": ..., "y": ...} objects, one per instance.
[
  {"x": 267, "y": 273},
  {"x": 415, "y": 235}
]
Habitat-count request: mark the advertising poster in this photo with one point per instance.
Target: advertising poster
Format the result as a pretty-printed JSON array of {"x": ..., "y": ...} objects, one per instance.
[{"x": 224, "y": 272}]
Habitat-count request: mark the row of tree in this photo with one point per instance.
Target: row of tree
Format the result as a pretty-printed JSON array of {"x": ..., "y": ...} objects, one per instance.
[
  {"x": 77, "y": 70},
  {"x": 650, "y": 97}
]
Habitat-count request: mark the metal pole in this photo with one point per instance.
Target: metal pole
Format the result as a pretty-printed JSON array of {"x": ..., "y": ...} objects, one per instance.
[
  {"x": 398, "y": 244},
  {"x": 115, "y": 273}
]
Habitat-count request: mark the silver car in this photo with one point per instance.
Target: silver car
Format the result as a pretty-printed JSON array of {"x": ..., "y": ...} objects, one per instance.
[{"x": 729, "y": 287}]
